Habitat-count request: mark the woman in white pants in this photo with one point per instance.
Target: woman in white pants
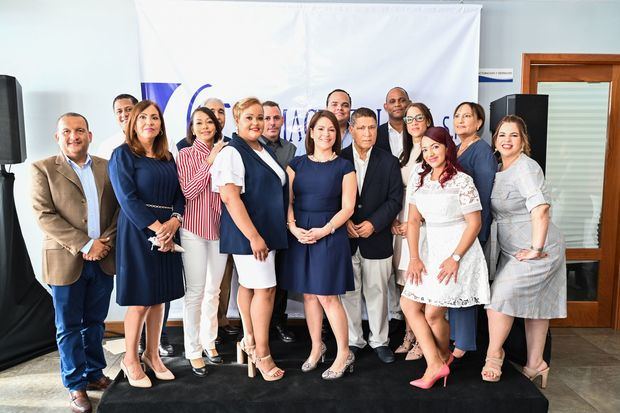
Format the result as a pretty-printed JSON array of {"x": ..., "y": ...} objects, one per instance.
[{"x": 202, "y": 261}]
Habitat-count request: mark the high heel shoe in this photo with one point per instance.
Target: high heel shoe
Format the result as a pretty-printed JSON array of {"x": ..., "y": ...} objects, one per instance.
[
  {"x": 533, "y": 374},
  {"x": 144, "y": 382},
  {"x": 443, "y": 373},
  {"x": 415, "y": 353},
  {"x": 329, "y": 374},
  {"x": 309, "y": 366},
  {"x": 161, "y": 375},
  {"x": 492, "y": 370},
  {"x": 408, "y": 342},
  {"x": 244, "y": 350},
  {"x": 274, "y": 374}
]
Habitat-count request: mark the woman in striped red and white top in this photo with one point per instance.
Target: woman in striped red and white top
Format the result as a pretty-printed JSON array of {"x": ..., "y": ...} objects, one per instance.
[{"x": 200, "y": 233}]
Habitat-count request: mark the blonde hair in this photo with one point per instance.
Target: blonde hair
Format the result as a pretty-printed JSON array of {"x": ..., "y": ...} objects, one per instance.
[
  {"x": 525, "y": 139},
  {"x": 242, "y": 105}
]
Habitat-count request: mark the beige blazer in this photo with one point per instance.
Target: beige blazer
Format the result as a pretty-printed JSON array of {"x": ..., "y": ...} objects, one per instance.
[{"x": 60, "y": 206}]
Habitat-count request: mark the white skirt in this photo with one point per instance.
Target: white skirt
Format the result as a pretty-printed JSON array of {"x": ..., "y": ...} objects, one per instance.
[{"x": 256, "y": 274}]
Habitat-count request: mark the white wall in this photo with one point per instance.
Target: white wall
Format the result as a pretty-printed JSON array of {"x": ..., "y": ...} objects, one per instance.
[{"x": 76, "y": 55}]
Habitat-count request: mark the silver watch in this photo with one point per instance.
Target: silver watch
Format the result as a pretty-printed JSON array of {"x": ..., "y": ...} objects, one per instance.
[
  {"x": 177, "y": 216},
  {"x": 456, "y": 257}
]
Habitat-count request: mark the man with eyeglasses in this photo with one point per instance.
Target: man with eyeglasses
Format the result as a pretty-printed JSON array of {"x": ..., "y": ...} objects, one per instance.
[
  {"x": 390, "y": 138},
  {"x": 284, "y": 152},
  {"x": 380, "y": 195}
]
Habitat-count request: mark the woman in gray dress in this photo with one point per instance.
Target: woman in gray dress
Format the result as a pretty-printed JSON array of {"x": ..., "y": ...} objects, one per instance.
[{"x": 530, "y": 282}]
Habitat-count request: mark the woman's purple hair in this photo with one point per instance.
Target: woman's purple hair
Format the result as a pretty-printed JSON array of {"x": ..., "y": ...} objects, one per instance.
[{"x": 442, "y": 136}]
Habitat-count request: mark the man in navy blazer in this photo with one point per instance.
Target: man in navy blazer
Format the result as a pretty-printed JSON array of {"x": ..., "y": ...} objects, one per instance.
[
  {"x": 390, "y": 134},
  {"x": 380, "y": 193},
  {"x": 390, "y": 137}
]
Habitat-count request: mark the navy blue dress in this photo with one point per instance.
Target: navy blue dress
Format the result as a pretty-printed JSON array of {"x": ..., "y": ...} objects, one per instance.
[
  {"x": 479, "y": 162},
  {"x": 145, "y": 276},
  {"x": 323, "y": 268}
]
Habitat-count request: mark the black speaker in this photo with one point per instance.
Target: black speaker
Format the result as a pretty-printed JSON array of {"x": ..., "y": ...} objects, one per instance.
[
  {"x": 12, "y": 133},
  {"x": 534, "y": 110}
]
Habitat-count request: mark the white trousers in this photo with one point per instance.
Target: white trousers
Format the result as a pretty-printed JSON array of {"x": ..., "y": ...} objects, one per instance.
[
  {"x": 204, "y": 270},
  {"x": 371, "y": 283}
]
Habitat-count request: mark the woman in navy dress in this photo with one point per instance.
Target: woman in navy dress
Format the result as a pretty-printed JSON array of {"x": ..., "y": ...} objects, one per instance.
[
  {"x": 318, "y": 262},
  {"x": 477, "y": 160},
  {"x": 145, "y": 181}
]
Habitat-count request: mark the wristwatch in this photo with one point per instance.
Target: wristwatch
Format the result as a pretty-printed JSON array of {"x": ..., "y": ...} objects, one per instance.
[
  {"x": 177, "y": 216},
  {"x": 456, "y": 257}
]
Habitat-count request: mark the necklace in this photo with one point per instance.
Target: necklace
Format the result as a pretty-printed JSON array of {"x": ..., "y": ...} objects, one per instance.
[
  {"x": 463, "y": 147},
  {"x": 315, "y": 159}
]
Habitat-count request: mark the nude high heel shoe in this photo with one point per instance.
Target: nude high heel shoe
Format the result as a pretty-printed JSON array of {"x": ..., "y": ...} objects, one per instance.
[
  {"x": 144, "y": 382},
  {"x": 274, "y": 374},
  {"x": 244, "y": 350},
  {"x": 533, "y": 374},
  {"x": 408, "y": 342},
  {"x": 161, "y": 375}
]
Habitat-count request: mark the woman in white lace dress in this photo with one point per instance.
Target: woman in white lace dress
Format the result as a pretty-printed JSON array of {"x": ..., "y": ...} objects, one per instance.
[{"x": 449, "y": 270}]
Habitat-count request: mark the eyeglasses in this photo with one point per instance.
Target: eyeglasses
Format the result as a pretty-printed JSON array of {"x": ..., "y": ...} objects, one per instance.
[{"x": 417, "y": 118}]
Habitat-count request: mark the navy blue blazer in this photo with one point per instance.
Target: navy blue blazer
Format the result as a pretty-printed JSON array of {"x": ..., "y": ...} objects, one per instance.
[
  {"x": 265, "y": 199},
  {"x": 380, "y": 202}
]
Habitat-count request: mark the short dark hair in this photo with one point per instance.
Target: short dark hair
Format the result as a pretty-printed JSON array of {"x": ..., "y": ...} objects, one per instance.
[
  {"x": 363, "y": 113},
  {"x": 476, "y": 108},
  {"x": 402, "y": 89},
  {"x": 332, "y": 118},
  {"x": 337, "y": 90},
  {"x": 125, "y": 96},
  {"x": 73, "y": 115},
  {"x": 271, "y": 104},
  {"x": 190, "y": 137}
]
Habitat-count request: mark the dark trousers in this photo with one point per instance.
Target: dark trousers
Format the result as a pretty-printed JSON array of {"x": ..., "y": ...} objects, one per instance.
[
  {"x": 81, "y": 309},
  {"x": 278, "y": 316},
  {"x": 464, "y": 327}
]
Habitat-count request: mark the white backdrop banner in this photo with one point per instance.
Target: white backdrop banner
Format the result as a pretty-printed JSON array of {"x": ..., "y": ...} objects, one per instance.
[{"x": 296, "y": 53}]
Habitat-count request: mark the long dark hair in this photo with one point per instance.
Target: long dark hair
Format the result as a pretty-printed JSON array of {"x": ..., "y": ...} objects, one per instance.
[
  {"x": 442, "y": 136},
  {"x": 407, "y": 138},
  {"x": 190, "y": 137}
]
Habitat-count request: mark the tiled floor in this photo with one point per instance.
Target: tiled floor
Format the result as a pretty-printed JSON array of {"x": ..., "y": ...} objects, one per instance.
[{"x": 585, "y": 376}]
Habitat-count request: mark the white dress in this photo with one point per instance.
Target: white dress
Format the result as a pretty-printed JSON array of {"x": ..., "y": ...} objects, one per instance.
[
  {"x": 443, "y": 209},
  {"x": 228, "y": 168}
]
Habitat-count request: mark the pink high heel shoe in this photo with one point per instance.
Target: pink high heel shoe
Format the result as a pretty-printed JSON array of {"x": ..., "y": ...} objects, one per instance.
[{"x": 443, "y": 373}]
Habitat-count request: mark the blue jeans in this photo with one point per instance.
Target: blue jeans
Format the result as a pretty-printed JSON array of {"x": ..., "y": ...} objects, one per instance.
[{"x": 81, "y": 309}]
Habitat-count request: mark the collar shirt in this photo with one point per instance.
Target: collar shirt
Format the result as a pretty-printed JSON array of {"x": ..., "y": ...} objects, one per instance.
[
  {"x": 284, "y": 150},
  {"x": 87, "y": 179},
  {"x": 347, "y": 139},
  {"x": 396, "y": 140},
  {"x": 361, "y": 165}
]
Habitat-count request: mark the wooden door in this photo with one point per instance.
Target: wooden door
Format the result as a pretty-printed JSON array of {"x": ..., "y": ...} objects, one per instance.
[{"x": 583, "y": 173}]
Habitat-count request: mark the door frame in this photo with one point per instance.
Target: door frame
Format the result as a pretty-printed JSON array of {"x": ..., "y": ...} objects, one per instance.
[{"x": 611, "y": 189}]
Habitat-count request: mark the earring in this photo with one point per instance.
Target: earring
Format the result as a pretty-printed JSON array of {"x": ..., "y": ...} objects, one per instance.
[{"x": 161, "y": 132}]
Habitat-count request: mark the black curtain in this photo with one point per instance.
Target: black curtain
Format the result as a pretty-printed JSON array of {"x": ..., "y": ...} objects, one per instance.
[{"x": 26, "y": 311}]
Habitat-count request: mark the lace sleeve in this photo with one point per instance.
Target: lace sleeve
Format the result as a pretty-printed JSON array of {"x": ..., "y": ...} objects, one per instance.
[{"x": 468, "y": 194}]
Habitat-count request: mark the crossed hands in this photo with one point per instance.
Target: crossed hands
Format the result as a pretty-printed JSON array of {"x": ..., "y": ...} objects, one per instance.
[
  {"x": 447, "y": 270},
  {"x": 399, "y": 228},
  {"x": 99, "y": 250},
  {"x": 165, "y": 234},
  {"x": 309, "y": 236},
  {"x": 361, "y": 230}
]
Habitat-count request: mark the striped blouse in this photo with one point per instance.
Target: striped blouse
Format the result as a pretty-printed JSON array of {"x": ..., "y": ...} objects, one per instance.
[{"x": 203, "y": 207}]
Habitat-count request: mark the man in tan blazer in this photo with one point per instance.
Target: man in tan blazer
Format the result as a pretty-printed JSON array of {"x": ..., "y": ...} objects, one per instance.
[{"x": 76, "y": 209}]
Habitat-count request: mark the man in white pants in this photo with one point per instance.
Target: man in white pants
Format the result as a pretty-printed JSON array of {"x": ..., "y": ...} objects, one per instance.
[{"x": 380, "y": 193}]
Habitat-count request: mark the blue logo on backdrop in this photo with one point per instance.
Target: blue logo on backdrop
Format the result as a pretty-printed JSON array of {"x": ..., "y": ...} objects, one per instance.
[{"x": 295, "y": 123}]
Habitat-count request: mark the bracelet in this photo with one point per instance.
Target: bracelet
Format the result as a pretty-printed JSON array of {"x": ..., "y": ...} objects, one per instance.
[
  {"x": 414, "y": 258},
  {"x": 536, "y": 249},
  {"x": 177, "y": 216},
  {"x": 288, "y": 223},
  {"x": 333, "y": 228}
]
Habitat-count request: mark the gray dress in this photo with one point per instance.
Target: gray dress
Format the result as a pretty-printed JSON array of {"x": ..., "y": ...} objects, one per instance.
[{"x": 533, "y": 289}]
